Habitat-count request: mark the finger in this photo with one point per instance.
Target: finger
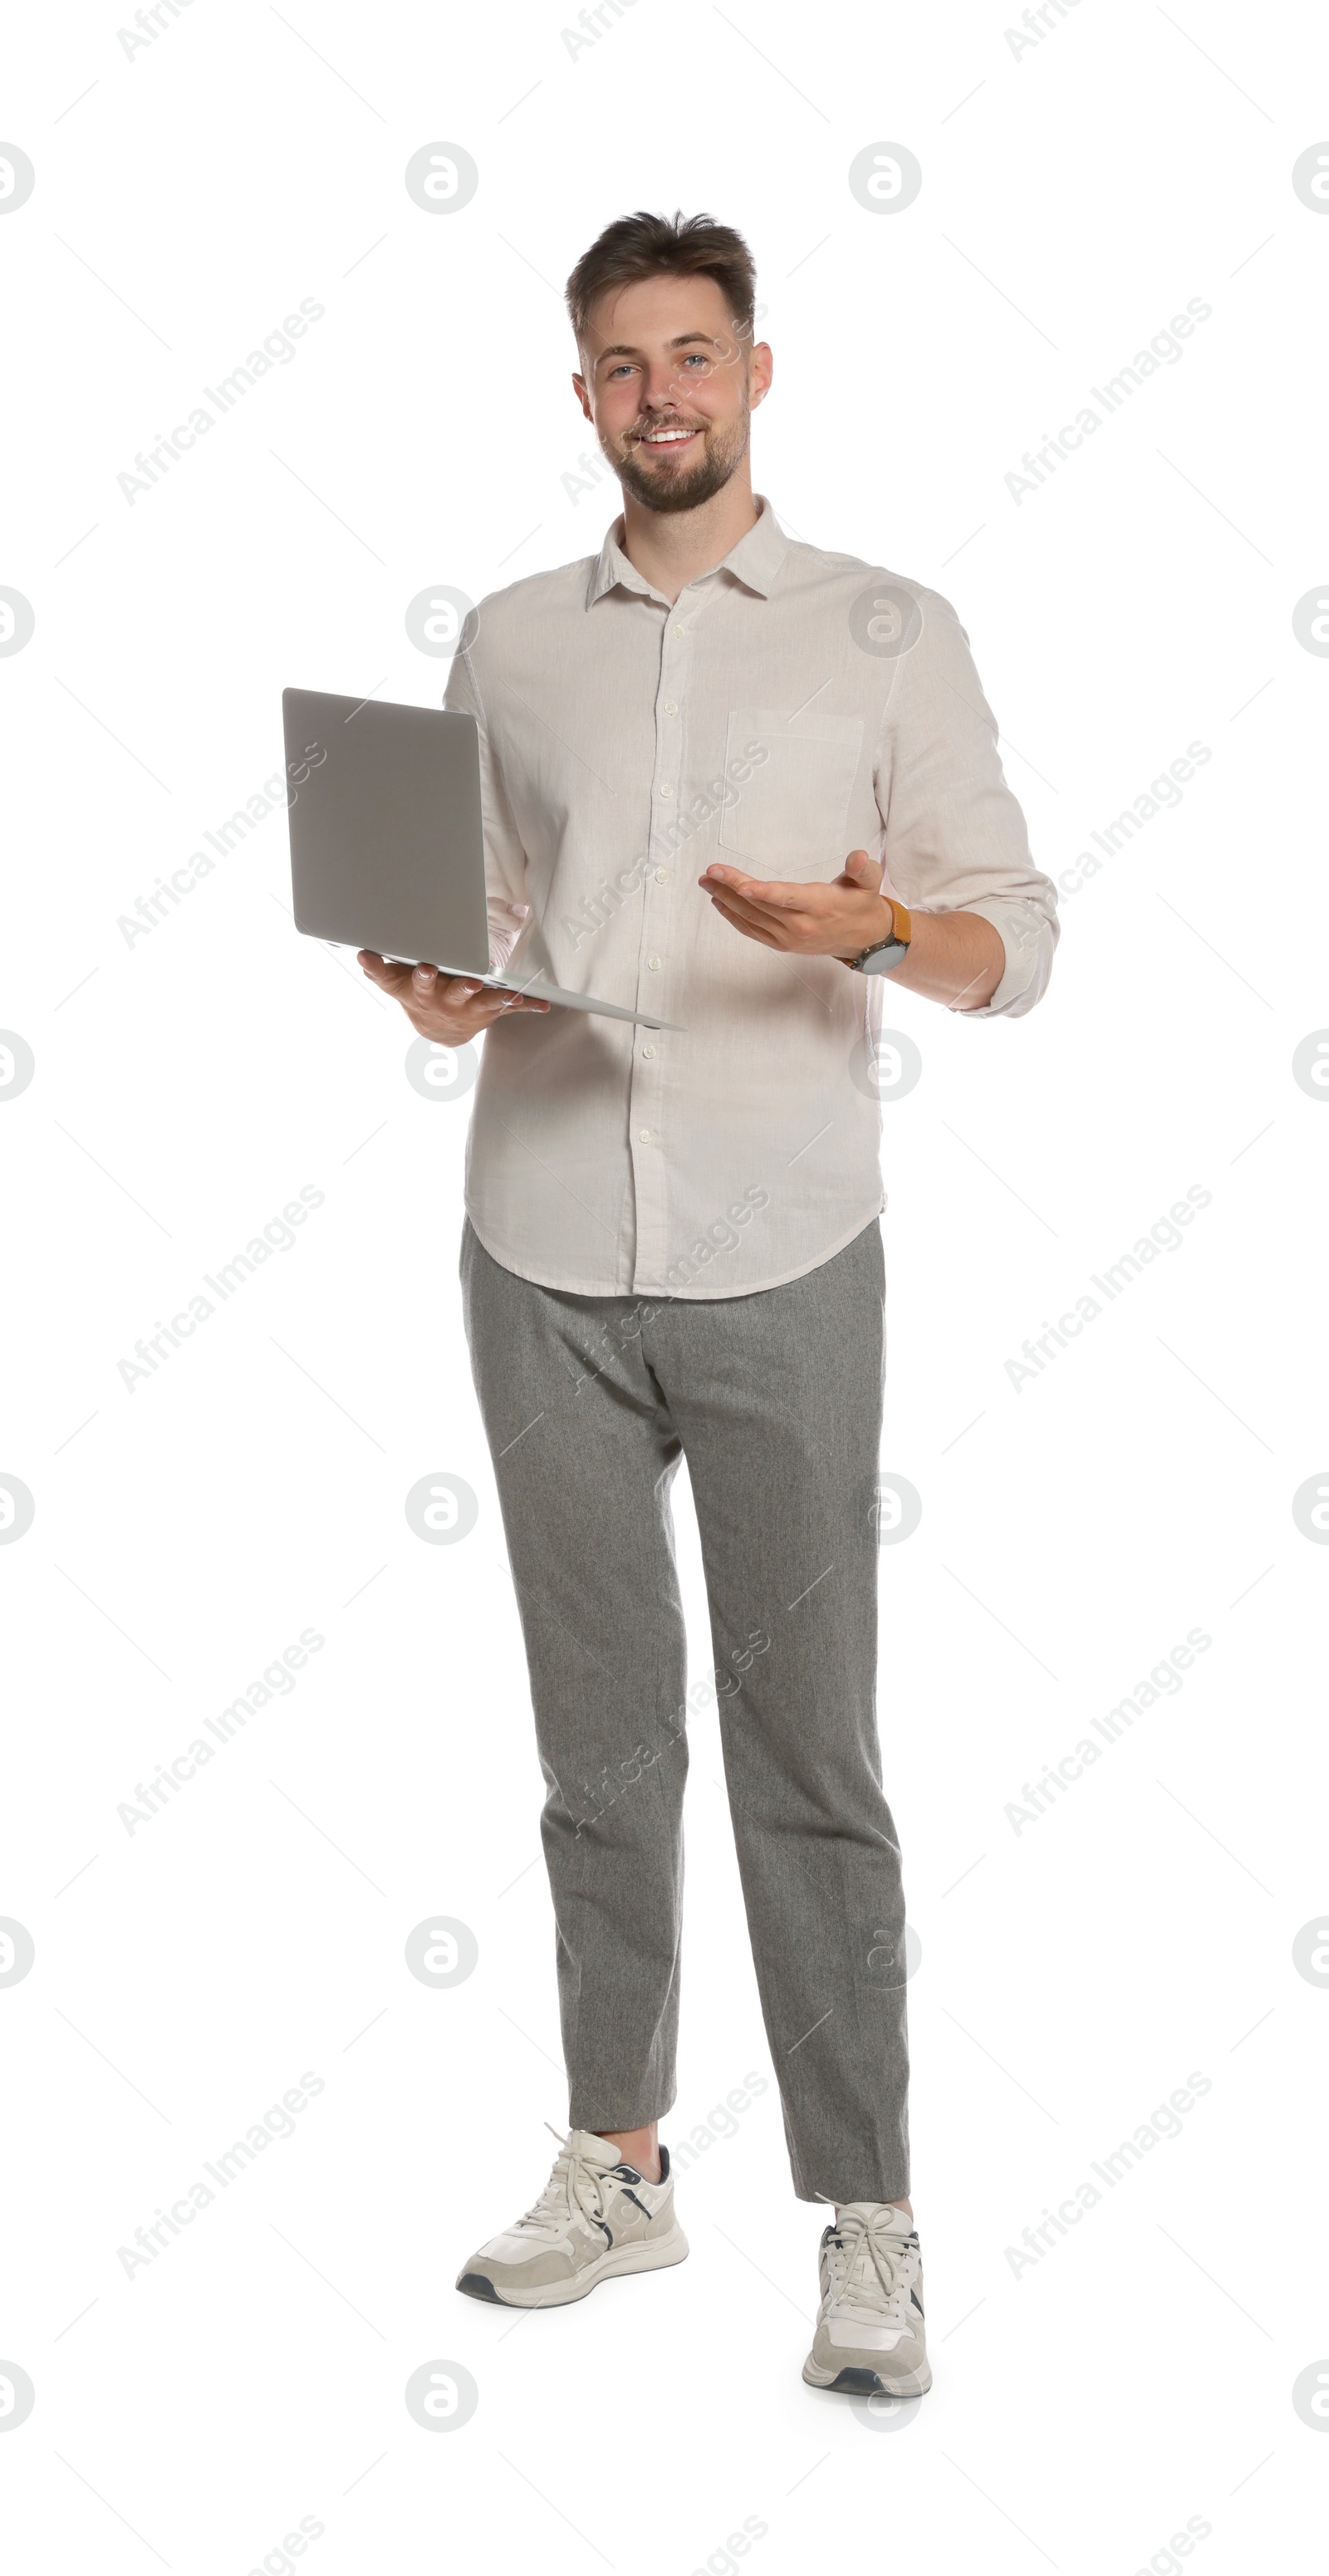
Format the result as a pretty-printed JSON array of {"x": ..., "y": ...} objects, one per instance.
[
  {"x": 747, "y": 908},
  {"x": 730, "y": 910},
  {"x": 728, "y": 880},
  {"x": 757, "y": 925},
  {"x": 779, "y": 893},
  {"x": 751, "y": 929},
  {"x": 390, "y": 979},
  {"x": 740, "y": 895},
  {"x": 779, "y": 897},
  {"x": 483, "y": 1002}
]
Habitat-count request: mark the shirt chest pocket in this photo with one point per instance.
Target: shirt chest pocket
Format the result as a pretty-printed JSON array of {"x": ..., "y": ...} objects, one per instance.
[{"x": 787, "y": 816}]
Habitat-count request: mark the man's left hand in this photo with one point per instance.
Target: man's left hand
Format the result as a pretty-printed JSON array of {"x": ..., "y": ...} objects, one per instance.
[{"x": 836, "y": 920}]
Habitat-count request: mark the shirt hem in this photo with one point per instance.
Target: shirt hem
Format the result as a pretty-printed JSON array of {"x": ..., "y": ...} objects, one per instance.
[{"x": 694, "y": 1294}]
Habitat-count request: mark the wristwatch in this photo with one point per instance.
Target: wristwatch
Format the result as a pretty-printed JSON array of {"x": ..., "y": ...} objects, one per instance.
[{"x": 885, "y": 953}]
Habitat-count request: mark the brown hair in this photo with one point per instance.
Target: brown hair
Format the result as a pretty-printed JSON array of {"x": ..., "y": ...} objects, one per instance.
[{"x": 643, "y": 245}]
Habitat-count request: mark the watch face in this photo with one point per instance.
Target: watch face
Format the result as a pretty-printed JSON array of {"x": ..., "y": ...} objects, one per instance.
[{"x": 879, "y": 961}]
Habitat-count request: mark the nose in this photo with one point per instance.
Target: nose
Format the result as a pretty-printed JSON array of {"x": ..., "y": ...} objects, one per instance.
[{"x": 664, "y": 388}]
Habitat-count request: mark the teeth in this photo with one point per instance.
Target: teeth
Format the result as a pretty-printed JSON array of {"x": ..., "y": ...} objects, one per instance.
[{"x": 666, "y": 437}]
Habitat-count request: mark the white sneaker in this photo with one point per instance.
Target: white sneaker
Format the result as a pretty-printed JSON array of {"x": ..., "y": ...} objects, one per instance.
[
  {"x": 869, "y": 2336},
  {"x": 596, "y": 2217}
]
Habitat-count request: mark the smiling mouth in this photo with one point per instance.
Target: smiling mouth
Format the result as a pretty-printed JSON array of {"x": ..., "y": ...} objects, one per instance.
[{"x": 666, "y": 439}]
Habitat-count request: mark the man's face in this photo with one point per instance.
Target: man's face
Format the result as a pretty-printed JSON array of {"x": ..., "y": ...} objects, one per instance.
[{"x": 670, "y": 387}]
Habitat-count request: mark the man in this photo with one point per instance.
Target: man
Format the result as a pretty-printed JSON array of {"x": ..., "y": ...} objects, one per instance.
[{"x": 672, "y": 1245}]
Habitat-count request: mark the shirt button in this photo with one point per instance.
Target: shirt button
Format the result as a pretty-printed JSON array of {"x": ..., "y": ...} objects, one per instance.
[
  {"x": 645, "y": 1135},
  {"x": 666, "y": 791},
  {"x": 678, "y": 630},
  {"x": 654, "y": 964},
  {"x": 662, "y": 876},
  {"x": 670, "y": 707},
  {"x": 648, "y": 1051}
]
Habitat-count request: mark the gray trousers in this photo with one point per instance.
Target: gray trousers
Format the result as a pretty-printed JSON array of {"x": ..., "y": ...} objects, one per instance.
[{"x": 775, "y": 1401}]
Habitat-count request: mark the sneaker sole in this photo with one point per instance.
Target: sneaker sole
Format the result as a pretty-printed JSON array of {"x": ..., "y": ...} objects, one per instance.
[
  {"x": 849, "y": 2381},
  {"x": 654, "y": 2256}
]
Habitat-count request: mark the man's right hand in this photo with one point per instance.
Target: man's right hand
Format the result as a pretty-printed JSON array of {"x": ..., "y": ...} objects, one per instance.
[{"x": 450, "y": 1009}]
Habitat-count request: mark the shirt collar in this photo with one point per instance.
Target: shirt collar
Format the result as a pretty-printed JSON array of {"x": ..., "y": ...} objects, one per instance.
[{"x": 755, "y": 560}]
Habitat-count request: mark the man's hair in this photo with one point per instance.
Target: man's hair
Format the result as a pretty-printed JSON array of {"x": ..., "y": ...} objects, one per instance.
[{"x": 643, "y": 245}]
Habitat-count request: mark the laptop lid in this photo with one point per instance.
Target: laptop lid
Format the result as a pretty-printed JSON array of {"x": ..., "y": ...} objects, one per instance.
[{"x": 387, "y": 838}]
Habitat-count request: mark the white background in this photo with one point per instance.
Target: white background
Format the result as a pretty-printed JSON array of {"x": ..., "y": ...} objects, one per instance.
[{"x": 1074, "y": 197}]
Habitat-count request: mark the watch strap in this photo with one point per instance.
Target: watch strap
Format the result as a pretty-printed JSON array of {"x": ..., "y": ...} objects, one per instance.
[{"x": 887, "y": 951}]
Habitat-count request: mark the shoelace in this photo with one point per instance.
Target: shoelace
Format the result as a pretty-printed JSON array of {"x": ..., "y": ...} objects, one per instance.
[
  {"x": 870, "y": 2266},
  {"x": 572, "y": 2186}
]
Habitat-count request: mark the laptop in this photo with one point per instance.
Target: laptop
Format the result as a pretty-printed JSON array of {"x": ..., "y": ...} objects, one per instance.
[{"x": 387, "y": 840}]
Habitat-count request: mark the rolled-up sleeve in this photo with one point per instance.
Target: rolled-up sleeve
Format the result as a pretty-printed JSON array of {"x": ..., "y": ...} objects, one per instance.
[
  {"x": 955, "y": 838},
  {"x": 505, "y": 859}
]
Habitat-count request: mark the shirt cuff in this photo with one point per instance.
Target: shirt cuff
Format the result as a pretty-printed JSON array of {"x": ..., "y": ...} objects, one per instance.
[
  {"x": 1028, "y": 935},
  {"x": 506, "y": 924}
]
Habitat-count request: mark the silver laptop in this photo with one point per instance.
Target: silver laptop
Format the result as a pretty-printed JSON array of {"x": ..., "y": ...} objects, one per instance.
[{"x": 387, "y": 840}]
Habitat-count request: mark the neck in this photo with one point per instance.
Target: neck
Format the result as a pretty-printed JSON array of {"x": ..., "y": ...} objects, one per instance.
[{"x": 669, "y": 549}]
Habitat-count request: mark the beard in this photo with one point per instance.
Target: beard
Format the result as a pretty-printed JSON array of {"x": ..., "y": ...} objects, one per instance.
[{"x": 686, "y": 488}]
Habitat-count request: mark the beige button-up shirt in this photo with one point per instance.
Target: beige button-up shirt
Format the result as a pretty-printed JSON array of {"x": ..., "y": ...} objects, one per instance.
[{"x": 788, "y": 707}]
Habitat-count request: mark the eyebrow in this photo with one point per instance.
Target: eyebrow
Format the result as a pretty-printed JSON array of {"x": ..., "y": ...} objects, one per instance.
[{"x": 623, "y": 349}]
